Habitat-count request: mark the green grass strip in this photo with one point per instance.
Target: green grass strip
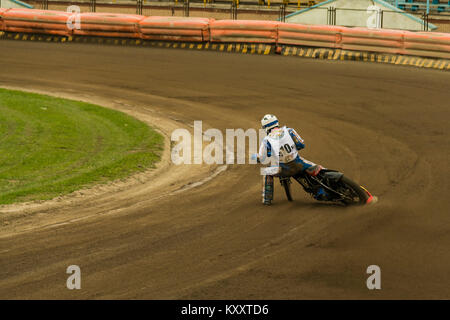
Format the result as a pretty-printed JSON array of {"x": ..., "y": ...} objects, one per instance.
[{"x": 51, "y": 146}]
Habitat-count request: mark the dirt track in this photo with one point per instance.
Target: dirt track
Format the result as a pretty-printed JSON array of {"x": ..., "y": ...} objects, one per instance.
[{"x": 384, "y": 126}]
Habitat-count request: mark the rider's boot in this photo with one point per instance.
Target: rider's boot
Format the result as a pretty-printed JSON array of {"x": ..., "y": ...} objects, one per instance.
[{"x": 267, "y": 194}]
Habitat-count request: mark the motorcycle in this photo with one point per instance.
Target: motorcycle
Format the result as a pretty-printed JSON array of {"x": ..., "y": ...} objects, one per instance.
[{"x": 338, "y": 188}]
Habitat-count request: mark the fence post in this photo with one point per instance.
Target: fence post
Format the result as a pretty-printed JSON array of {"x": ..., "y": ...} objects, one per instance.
[
  {"x": 139, "y": 6},
  {"x": 425, "y": 21},
  {"x": 378, "y": 18},
  {"x": 233, "y": 10},
  {"x": 186, "y": 8},
  {"x": 331, "y": 16},
  {"x": 334, "y": 16},
  {"x": 381, "y": 18},
  {"x": 282, "y": 12},
  {"x": 92, "y": 5}
]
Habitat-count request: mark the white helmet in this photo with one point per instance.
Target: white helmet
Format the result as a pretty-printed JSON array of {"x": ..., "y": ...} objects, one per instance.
[{"x": 268, "y": 122}]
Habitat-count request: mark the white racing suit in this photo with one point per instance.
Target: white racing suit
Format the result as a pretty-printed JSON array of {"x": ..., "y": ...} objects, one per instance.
[{"x": 281, "y": 148}]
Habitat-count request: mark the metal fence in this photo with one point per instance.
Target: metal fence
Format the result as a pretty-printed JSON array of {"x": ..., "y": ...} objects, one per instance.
[{"x": 250, "y": 10}]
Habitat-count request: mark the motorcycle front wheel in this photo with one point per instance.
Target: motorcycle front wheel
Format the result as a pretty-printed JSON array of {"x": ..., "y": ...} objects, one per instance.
[{"x": 354, "y": 194}]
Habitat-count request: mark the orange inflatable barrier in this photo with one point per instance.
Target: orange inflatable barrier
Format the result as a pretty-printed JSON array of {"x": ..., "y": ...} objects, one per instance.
[
  {"x": 253, "y": 31},
  {"x": 175, "y": 29},
  {"x": 309, "y": 35},
  {"x": 427, "y": 44},
  {"x": 2, "y": 11},
  {"x": 36, "y": 21},
  {"x": 374, "y": 40},
  {"x": 109, "y": 25}
]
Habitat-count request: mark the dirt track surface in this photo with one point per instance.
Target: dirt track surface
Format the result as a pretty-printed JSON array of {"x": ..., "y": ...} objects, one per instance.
[{"x": 384, "y": 126}]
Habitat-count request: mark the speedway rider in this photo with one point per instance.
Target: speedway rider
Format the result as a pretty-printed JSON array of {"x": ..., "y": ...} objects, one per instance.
[{"x": 281, "y": 146}]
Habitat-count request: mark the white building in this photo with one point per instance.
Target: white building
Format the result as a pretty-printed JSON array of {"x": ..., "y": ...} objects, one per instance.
[
  {"x": 359, "y": 13},
  {"x": 14, "y": 4}
]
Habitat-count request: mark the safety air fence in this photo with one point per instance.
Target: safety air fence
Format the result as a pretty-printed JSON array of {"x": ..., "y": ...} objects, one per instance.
[{"x": 205, "y": 30}]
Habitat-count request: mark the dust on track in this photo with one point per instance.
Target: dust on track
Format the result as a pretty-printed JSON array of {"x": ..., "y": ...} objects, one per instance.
[{"x": 384, "y": 126}]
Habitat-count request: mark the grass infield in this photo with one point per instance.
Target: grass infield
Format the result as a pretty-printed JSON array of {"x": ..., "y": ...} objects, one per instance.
[{"x": 51, "y": 146}]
